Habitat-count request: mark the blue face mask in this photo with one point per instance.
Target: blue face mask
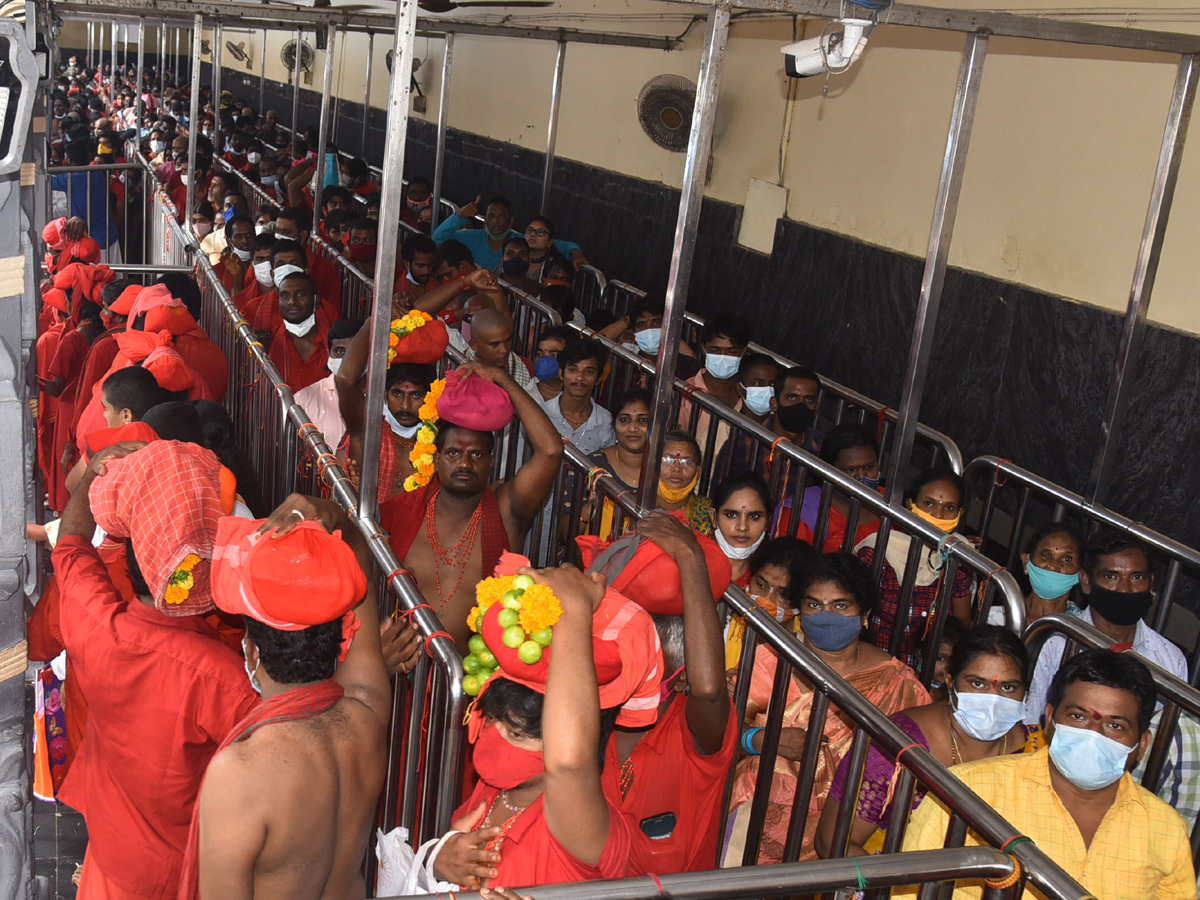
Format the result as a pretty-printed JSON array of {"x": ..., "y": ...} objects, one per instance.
[
  {"x": 720, "y": 365},
  {"x": 986, "y": 717},
  {"x": 545, "y": 368},
  {"x": 1050, "y": 585},
  {"x": 872, "y": 483},
  {"x": 828, "y": 630},
  {"x": 649, "y": 339},
  {"x": 332, "y": 178},
  {"x": 758, "y": 399},
  {"x": 1086, "y": 758}
]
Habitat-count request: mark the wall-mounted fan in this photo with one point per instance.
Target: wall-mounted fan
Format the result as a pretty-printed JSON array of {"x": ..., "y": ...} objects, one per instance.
[
  {"x": 205, "y": 48},
  {"x": 238, "y": 51},
  {"x": 441, "y": 6},
  {"x": 307, "y": 55},
  {"x": 416, "y": 63},
  {"x": 664, "y": 109}
]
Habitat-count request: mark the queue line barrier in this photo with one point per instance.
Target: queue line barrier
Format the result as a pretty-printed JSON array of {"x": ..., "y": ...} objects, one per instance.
[
  {"x": 91, "y": 198},
  {"x": 426, "y": 743},
  {"x": 1030, "y": 502},
  {"x": 1176, "y": 697}
]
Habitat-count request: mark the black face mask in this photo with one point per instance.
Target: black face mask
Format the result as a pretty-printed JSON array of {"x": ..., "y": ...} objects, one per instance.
[
  {"x": 1118, "y": 608},
  {"x": 795, "y": 419},
  {"x": 515, "y": 266}
]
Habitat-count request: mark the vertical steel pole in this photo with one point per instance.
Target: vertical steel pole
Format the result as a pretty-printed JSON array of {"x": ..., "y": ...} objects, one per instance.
[
  {"x": 385, "y": 258},
  {"x": 296, "y": 86},
  {"x": 699, "y": 146},
  {"x": 175, "y": 70},
  {"x": 112, "y": 64},
  {"x": 552, "y": 128},
  {"x": 945, "y": 209},
  {"x": 439, "y": 164},
  {"x": 1162, "y": 195},
  {"x": 141, "y": 79},
  {"x": 185, "y": 215},
  {"x": 262, "y": 77},
  {"x": 218, "y": 142},
  {"x": 323, "y": 127},
  {"x": 162, "y": 61},
  {"x": 91, "y": 43},
  {"x": 362, "y": 147}
]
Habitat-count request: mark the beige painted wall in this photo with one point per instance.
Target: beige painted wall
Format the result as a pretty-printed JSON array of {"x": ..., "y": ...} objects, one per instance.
[{"x": 1059, "y": 172}]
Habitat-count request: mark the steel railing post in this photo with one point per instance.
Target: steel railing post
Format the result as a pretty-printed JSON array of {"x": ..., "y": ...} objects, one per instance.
[
  {"x": 217, "y": 87},
  {"x": 185, "y": 215},
  {"x": 141, "y": 82},
  {"x": 560, "y": 60},
  {"x": 439, "y": 161},
  {"x": 362, "y": 147},
  {"x": 323, "y": 128},
  {"x": 690, "y": 197},
  {"x": 1145, "y": 271},
  {"x": 385, "y": 259},
  {"x": 262, "y": 76},
  {"x": 945, "y": 209},
  {"x": 296, "y": 86}
]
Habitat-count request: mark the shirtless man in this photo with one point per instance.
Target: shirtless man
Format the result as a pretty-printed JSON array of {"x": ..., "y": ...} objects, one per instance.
[
  {"x": 436, "y": 531},
  {"x": 288, "y": 802}
]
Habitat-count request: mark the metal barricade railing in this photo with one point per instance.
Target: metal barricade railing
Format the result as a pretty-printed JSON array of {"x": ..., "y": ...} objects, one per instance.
[
  {"x": 358, "y": 288},
  {"x": 530, "y": 317},
  {"x": 590, "y": 286},
  {"x": 118, "y": 226},
  {"x": 1029, "y": 501},
  {"x": 426, "y": 740},
  {"x": 831, "y": 690},
  {"x": 1177, "y": 697},
  {"x": 839, "y": 404}
]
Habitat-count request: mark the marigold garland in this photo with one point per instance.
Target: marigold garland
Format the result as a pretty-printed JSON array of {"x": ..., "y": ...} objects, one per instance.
[
  {"x": 422, "y": 452},
  {"x": 403, "y": 327},
  {"x": 539, "y": 608},
  {"x": 181, "y": 582},
  {"x": 530, "y": 613}
]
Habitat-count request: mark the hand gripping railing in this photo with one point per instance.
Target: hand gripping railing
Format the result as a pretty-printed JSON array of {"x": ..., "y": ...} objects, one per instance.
[
  {"x": 787, "y": 879},
  {"x": 917, "y": 764},
  {"x": 1039, "y": 501},
  {"x": 1175, "y": 694},
  {"x": 426, "y": 748},
  {"x": 848, "y": 405}
]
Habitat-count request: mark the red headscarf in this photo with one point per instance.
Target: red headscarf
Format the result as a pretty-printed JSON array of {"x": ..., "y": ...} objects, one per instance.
[{"x": 473, "y": 402}]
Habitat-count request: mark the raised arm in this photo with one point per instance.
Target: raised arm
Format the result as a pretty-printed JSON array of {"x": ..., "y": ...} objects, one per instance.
[
  {"x": 436, "y": 300},
  {"x": 77, "y": 518},
  {"x": 522, "y": 496},
  {"x": 461, "y": 219},
  {"x": 708, "y": 697},
  {"x": 576, "y": 811},
  {"x": 352, "y": 403}
]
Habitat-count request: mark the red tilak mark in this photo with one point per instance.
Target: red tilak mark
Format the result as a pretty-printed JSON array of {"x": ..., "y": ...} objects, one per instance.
[{"x": 1096, "y": 717}]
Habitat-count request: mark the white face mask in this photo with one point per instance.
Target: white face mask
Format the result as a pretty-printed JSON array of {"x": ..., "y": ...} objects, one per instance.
[
  {"x": 283, "y": 271},
  {"x": 758, "y": 399},
  {"x": 243, "y": 255},
  {"x": 631, "y": 346},
  {"x": 157, "y": 146},
  {"x": 986, "y": 717},
  {"x": 397, "y": 429},
  {"x": 303, "y": 328},
  {"x": 262, "y": 273},
  {"x": 259, "y": 229},
  {"x": 268, "y": 181},
  {"x": 185, "y": 180},
  {"x": 333, "y": 364},
  {"x": 737, "y": 552},
  {"x": 254, "y": 157}
]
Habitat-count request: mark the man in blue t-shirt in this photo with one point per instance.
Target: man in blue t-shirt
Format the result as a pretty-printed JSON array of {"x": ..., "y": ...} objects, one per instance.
[
  {"x": 89, "y": 199},
  {"x": 487, "y": 243}
]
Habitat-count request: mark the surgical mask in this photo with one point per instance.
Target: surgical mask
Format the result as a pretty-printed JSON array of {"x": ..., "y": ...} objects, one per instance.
[
  {"x": 1050, "y": 585},
  {"x": 873, "y": 483},
  {"x": 302, "y": 328},
  {"x": 795, "y": 419},
  {"x": 758, "y": 399},
  {"x": 254, "y": 157},
  {"x": 243, "y": 255},
  {"x": 260, "y": 229},
  {"x": 515, "y": 266},
  {"x": 1086, "y": 758},
  {"x": 268, "y": 181},
  {"x": 228, "y": 214},
  {"x": 252, "y": 675},
  {"x": 649, "y": 339},
  {"x": 185, "y": 180},
  {"x": 831, "y": 631},
  {"x": 333, "y": 364},
  {"x": 283, "y": 271},
  {"x": 946, "y": 525},
  {"x": 262, "y": 273},
  {"x": 1123, "y": 609},
  {"x": 545, "y": 368},
  {"x": 631, "y": 346},
  {"x": 201, "y": 229},
  {"x": 721, "y": 365},
  {"x": 405, "y": 431},
  {"x": 156, "y": 147},
  {"x": 737, "y": 552},
  {"x": 986, "y": 717},
  {"x": 346, "y": 179}
]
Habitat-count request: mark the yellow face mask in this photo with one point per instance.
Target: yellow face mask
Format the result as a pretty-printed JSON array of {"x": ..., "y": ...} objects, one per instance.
[
  {"x": 946, "y": 525},
  {"x": 104, "y": 150},
  {"x": 675, "y": 495}
]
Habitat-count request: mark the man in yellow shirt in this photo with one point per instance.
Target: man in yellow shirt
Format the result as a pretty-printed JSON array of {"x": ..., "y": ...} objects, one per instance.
[{"x": 1076, "y": 799}]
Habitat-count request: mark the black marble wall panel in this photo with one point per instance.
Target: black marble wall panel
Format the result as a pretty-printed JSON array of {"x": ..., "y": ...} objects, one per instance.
[{"x": 1014, "y": 373}]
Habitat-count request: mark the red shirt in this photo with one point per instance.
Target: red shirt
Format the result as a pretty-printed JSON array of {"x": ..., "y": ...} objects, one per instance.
[
  {"x": 531, "y": 855},
  {"x": 162, "y": 694},
  {"x": 99, "y": 360},
  {"x": 327, "y": 276},
  {"x": 296, "y": 372},
  {"x": 670, "y": 776},
  {"x": 206, "y": 358},
  {"x": 252, "y": 291},
  {"x": 68, "y": 361}
]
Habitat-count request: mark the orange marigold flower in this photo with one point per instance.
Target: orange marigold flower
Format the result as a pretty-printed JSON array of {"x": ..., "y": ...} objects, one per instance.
[
  {"x": 491, "y": 589},
  {"x": 393, "y": 338},
  {"x": 190, "y": 562},
  {"x": 473, "y": 618},
  {"x": 424, "y": 470},
  {"x": 175, "y": 595},
  {"x": 539, "y": 608}
]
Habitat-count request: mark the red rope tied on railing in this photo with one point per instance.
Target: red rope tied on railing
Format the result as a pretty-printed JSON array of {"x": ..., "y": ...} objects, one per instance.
[
  {"x": 996, "y": 477},
  {"x": 400, "y": 570},
  {"x": 324, "y": 461},
  {"x": 880, "y": 423},
  {"x": 774, "y": 445},
  {"x": 306, "y": 429},
  {"x": 437, "y": 634},
  {"x": 657, "y": 883}
]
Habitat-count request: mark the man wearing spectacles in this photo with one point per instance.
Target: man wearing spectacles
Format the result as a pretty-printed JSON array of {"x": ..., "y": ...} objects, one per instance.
[{"x": 487, "y": 244}]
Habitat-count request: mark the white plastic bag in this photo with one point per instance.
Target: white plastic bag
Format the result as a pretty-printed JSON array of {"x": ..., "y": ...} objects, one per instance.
[{"x": 403, "y": 873}]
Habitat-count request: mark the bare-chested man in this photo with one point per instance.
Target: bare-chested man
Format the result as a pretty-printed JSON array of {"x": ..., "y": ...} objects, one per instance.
[
  {"x": 288, "y": 802},
  {"x": 451, "y": 533}
]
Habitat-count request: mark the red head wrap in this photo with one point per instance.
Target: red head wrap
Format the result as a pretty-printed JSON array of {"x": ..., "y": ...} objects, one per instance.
[{"x": 474, "y": 402}]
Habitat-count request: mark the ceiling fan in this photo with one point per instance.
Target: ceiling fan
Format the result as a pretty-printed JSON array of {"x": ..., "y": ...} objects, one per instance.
[{"x": 441, "y": 6}]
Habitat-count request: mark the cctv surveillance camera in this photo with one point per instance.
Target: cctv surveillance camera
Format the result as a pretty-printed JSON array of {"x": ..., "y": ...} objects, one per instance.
[{"x": 836, "y": 49}]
